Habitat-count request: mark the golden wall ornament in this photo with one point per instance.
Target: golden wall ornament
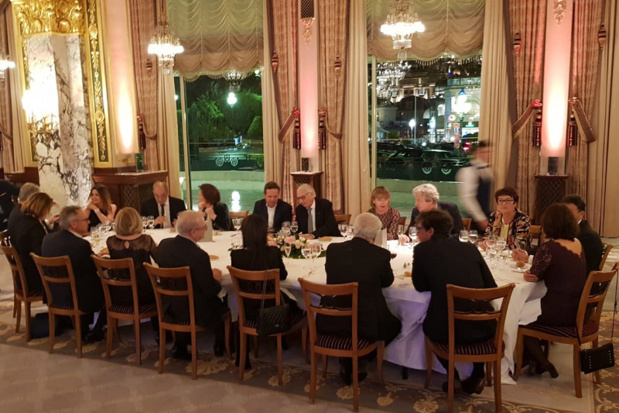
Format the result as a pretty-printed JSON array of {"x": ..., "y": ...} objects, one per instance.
[{"x": 49, "y": 16}]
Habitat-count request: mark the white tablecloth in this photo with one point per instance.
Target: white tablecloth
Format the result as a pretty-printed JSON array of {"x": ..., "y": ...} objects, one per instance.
[{"x": 409, "y": 305}]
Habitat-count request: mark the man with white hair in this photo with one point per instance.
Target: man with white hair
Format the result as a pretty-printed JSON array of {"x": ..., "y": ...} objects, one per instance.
[
  {"x": 360, "y": 261},
  {"x": 315, "y": 215},
  {"x": 427, "y": 199},
  {"x": 209, "y": 301},
  {"x": 162, "y": 206}
]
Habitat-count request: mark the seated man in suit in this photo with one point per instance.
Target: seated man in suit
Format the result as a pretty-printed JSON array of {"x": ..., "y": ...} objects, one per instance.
[
  {"x": 166, "y": 208},
  {"x": 73, "y": 225},
  {"x": 591, "y": 242},
  {"x": 209, "y": 297},
  {"x": 7, "y": 192},
  {"x": 315, "y": 215},
  {"x": 359, "y": 260},
  {"x": 272, "y": 209},
  {"x": 426, "y": 199}
]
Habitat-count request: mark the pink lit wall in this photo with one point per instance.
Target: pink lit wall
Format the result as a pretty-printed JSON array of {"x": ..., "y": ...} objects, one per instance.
[
  {"x": 121, "y": 86},
  {"x": 556, "y": 81},
  {"x": 308, "y": 94}
]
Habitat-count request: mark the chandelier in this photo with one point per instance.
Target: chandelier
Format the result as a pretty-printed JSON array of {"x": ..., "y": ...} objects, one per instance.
[
  {"x": 163, "y": 43},
  {"x": 388, "y": 77},
  {"x": 401, "y": 24}
]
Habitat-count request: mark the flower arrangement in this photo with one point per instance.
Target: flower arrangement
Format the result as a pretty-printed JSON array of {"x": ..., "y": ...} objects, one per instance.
[{"x": 296, "y": 242}]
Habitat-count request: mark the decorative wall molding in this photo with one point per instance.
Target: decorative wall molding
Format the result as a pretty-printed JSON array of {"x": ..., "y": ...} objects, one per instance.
[{"x": 49, "y": 16}]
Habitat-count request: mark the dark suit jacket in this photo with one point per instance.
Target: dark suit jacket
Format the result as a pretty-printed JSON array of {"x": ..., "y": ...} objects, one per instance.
[
  {"x": 359, "y": 261},
  {"x": 27, "y": 236},
  {"x": 88, "y": 285},
  {"x": 325, "y": 219},
  {"x": 441, "y": 261},
  {"x": 7, "y": 192},
  {"x": 151, "y": 208},
  {"x": 283, "y": 212},
  {"x": 180, "y": 252},
  {"x": 592, "y": 246},
  {"x": 450, "y": 208}
]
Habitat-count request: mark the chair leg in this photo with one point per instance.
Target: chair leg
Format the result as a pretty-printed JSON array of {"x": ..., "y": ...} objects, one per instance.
[
  {"x": 242, "y": 354},
  {"x": 451, "y": 384},
  {"x": 28, "y": 315},
  {"x": 256, "y": 341},
  {"x": 498, "y": 402},
  {"x": 111, "y": 324},
  {"x": 138, "y": 342},
  {"x": 519, "y": 355},
  {"x": 227, "y": 336},
  {"x": 17, "y": 315},
  {"x": 380, "y": 354},
  {"x": 577, "y": 383},
  {"x": 194, "y": 356},
  {"x": 304, "y": 343},
  {"x": 15, "y": 304},
  {"x": 78, "y": 335},
  {"x": 428, "y": 365},
  {"x": 355, "y": 383},
  {"x": 325, "y": 364},
  {"x": 280, "y": 379},
  {"x": 596, "y": 377},
  {"x": 489, "y": 365},
  {"x": 313, "y": 377},
  {"x": 161, "y": 349},
  {"x": 52, "y": 330}
]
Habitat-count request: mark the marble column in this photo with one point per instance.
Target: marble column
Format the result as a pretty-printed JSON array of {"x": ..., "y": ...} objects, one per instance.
[{"x": 63, "y": 137}]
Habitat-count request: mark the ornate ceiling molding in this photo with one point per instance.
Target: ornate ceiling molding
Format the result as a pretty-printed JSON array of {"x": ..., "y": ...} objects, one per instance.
[{"x": 49, "y": 16}]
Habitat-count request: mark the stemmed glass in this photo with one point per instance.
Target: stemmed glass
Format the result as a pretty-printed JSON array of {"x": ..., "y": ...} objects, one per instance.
[
  {"x": 473, "y": 236},
  {"x": 306, "y": 252},
  {"x": 400, "y": 233},
  {"x": 343, "y": 228},
  {"x": 294, "y": 227},
  {"x": 286, "y": 228},
  {"x": 500, "y": 246},
  {"x": 237, "y": 223},
  {"x": 144, "y": 222},
  {"x": 150, "y": 222},
  {"x": 287, "y": 249},
  {"x": 464, "y": 236}
]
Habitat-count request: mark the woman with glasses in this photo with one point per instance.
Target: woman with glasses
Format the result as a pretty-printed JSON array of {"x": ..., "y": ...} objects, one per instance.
[{"x": 508, "y": 222}]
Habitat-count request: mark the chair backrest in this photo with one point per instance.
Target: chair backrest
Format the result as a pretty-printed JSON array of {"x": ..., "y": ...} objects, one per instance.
[
  {"x": 239, "y": 214},
  {"x": 402, "y": 221},
  {"x": 592, "y": 299},
  {"x": 56, "y": 270},
  {"x": 117, "y": 273},
  {"x": 605, "y": 252},
  {"x": 5, "y": 239},
  {"x": 343, "y": 218},
  {"x": 241, "y": 279},
  {"x": 167, "y": 282},
  {"x": 330, "y": 290},
  {"x": 536, "y": 235},
  {"x": 467, "y": 223},
  {"x": 16, "y": 268},
  {"x": 478, "y": 295}
]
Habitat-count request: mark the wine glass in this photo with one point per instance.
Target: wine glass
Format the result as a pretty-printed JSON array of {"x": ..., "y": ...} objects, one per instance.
[
  {"x": 286, "y": 228},
  {"x": 464, "y": 236},
  {"x": 342, "y": 228},
  {"x": 237, "y": 223},
  {"x": 400, "y": 233},
  {"x": 294, "y": 227},
  {"x": 473, "y": 236},
  {"x": 144, "y": 222},
  {"x": 412, "y": 232},
  {"x": 287, "y": 249},
  {"x": 150, "y": 222},
  {"x": 500, "y": 246}
]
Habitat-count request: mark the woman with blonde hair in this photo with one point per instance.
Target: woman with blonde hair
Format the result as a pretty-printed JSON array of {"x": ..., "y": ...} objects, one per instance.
[
  {"x": 100, "y": 206},
  {"x": 27, "y": 232},
  {"x": 389, "y": 217}
]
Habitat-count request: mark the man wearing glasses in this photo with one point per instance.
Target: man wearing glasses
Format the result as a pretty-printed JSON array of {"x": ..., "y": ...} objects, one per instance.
[{"x": 315, "y": 215}]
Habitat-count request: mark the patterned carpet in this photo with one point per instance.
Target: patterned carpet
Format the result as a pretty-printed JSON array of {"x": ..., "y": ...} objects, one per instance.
[{"x": 401, "y": 396}]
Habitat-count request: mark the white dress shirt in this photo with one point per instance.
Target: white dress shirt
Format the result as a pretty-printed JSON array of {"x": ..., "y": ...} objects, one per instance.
[
  {"x": 166, "y": 209},
  {"x": 271, "y": 217}
]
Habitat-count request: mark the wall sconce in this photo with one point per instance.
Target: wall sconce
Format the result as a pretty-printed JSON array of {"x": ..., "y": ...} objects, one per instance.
[
  {"x": 5, "y": 64},
  {"x": 537, "y": 125},
  {"x": 572, "y": 131},
  {"x": 41, "y": 118}
]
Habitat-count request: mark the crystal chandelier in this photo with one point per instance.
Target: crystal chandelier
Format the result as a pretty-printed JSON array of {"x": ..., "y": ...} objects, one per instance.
[
  {"x": 163, "y": 43},
  {"x": 388, "y": 78},
  {"x": 401, "y": 24}
]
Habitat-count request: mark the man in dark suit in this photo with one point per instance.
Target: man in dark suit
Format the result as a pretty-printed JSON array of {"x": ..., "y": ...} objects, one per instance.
[
  {"x": 7, "y": 192},
  {"x": 272, "y": 209},
  {"x": 162, "y": 206},
  {"x": 209, "y": 298},
  {"x": 73, "y": 224},
  {"x": 591, "y": 242},
  {"x": 359, "y": 260},
  {"x": 314, "y": 215},
  {"x": 427, "y": 199}
]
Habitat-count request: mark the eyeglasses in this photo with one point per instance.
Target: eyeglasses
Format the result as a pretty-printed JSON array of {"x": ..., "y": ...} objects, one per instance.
[
  {"x": 82, "y": 219},
  {"x": 302, "y": 197},
  {"x": 504, "y": 201}
]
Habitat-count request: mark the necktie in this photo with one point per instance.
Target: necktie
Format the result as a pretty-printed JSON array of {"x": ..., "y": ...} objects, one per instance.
[
  {"x": 310, "y": 221},
  {"x": 162, "y": 210}
]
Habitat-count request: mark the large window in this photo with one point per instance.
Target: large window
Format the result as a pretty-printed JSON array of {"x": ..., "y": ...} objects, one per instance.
[
  {"x": 224, "y": 137},
  {"x": 427, "y": 120}
]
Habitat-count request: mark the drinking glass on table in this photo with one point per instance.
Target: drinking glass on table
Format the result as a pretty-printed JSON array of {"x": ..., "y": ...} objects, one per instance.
[
  {"x": 306, "y": 252},
  {"x": 286, "y": 228},
  {"x": 472, "y": 236},
  {"x": 144, "y": 222},
  {"x": 294, "y": 227},
  {"x": 463, "y": 236},
  {"x": 237, "y": 223},
  {"x": 150, "y": 222},
  {"x": 287, "y": 249},
  {"x": 500, "y": 246}
]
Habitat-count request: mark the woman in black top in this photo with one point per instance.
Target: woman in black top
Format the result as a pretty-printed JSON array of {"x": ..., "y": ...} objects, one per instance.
[
  {"x": 100, "y": 207},
  {"x": 210, "y": 205}
]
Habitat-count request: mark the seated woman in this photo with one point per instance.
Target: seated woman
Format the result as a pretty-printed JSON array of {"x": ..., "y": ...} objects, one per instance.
[
  {"x": 389, "y": 217},
  {"x": 441, "y": 260},
  {"x": 210, "y": 205},
  {"x": 100, "y": 207},
  {"x": 560, "y": 263},
  {"x": 27, "y": 232},
  {"x": 254, "y": 256},
  {"x": 507, "y": 222}
]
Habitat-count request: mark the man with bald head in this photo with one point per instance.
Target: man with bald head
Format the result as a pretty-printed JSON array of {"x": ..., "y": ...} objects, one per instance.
[
  {"x": 162, "y": 206},
  {"x": 315, "y": 215}
]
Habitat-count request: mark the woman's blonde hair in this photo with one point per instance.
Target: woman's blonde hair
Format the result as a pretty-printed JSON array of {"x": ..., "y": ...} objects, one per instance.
[
  {"x": 38, "y": 205},
  {"x": 379, "y": 192},
  {"x": 128, "y": 222}
]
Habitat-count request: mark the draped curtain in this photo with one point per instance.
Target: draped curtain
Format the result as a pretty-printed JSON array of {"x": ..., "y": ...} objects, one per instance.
[
  {"x": 167, "y": 131},
  {"x": 145, "y": 69},
  {"x": 585, "y": 61},
  {"x": 454, "y": 26},
  {"x": 6, "y": 160},
  {"x": 356, "y": 163},
  {"x": 218, "y": 35},
  {"x": 333, "y": 73},
  {"x": 528, "y": 18},
  {"x": 279, "y": 93}
]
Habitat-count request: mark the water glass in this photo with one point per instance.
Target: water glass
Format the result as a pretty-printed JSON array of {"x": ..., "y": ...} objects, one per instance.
[
  {"x": 294, "y": 227},
  {"x": 286, "y": 228},
  {"x": 412, "y": 232},
  {"x": 237, "y": 223},
  {"x": 287, "y": 249},
  {"x": 464, "y": 236},
  {"x": 342, "y": 228},
  {"x": 500, "y": 246},
  {"x": 150, "y": 222},
  {"x": 473, "y": 236},
  {"x": 306, "y": 251},
  {"x": 237, "y": 242},
  {"x": 144, "y": 222}
]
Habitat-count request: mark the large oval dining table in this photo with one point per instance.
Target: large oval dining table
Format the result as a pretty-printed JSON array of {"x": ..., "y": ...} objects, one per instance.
[{"x": 404, "y": 301}]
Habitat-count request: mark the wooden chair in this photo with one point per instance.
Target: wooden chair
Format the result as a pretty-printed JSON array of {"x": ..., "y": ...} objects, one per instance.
[
  {"x": 343, "y": 218},
  {"x": 23, "y": 294},
  {"x": 606, "y": 251},
  {"x": 491, "y": 352},
  {"x": 353, "y": 347},
  {"x": 536, "y": 235},
  {"x": 466, "y": 222},
  {"x": 248, "y": 327},
  {"x": 121, "y": 274},
  {"x": 584, "y": 330},
  {"x": 58, "y": 270},
  {"x": 402, "y": 221},
  {"x": 239, "y": 214},
  {"x": 164, "y": 284}
]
